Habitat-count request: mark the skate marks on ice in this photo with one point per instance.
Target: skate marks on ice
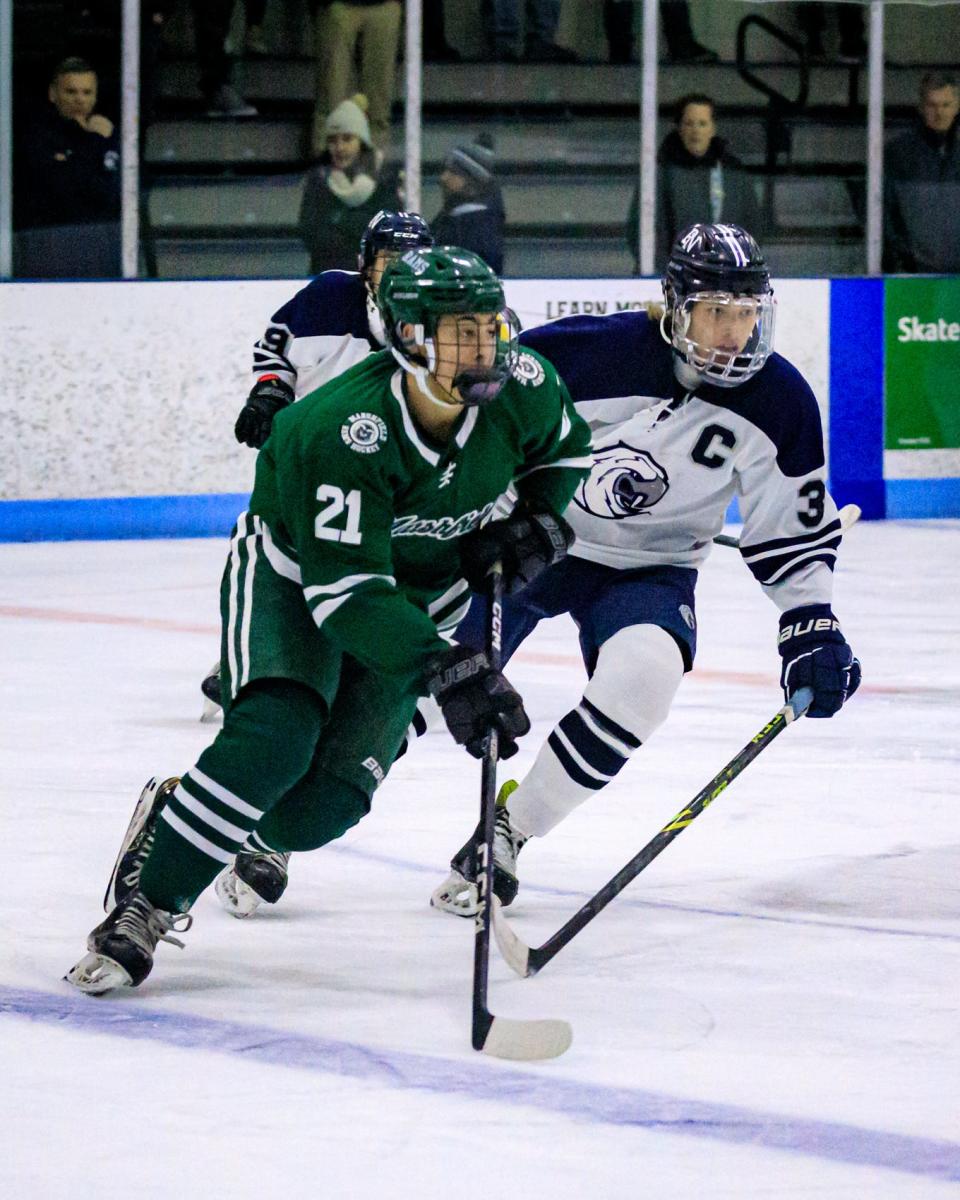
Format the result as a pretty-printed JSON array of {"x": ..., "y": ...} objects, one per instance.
[
  {"x": 482, "y": 1080},
  {"x": 905, "y": 884},
  {"x": 774, "y": 903}
]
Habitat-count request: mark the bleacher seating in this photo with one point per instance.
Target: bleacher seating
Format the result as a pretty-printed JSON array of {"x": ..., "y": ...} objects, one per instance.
[
  {"x": 226, "y": 194},
  {"x": 222, "y": 197}
]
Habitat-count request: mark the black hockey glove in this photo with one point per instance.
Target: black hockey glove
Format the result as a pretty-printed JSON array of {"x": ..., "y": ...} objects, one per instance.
[
  {"x": 816, "y": 655},
  {"x": 267, "y": 397},
  {"x": 526, "y": 543},
  {"x": 473, "y": 697}
]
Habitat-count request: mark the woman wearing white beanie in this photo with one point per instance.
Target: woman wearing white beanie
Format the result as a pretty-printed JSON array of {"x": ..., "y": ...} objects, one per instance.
[{"x": 344, "y": 190}]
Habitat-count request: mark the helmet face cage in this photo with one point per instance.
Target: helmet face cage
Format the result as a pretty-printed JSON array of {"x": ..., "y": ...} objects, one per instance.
[
  {"x": 720, "y": 367},
  {"x": 421, "y": 288},
  {"x": 719, "y": 265},
  {"x": 395, "y": 232}
]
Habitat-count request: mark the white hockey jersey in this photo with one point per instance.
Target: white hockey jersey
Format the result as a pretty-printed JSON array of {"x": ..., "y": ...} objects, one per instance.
[
  {"x": 324, "y": 329},
  {"x": 668, "y": 461}
]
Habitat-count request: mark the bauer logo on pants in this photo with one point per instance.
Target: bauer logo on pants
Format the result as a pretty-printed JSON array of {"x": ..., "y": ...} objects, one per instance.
[{"x": 364, "y": 432}]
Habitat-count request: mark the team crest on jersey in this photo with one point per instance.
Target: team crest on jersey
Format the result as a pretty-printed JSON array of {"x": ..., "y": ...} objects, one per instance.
[
  {"x": 529, "y": 370},
  {"x": 364, "y": 432},
  {"x": 624, "y": 482}
]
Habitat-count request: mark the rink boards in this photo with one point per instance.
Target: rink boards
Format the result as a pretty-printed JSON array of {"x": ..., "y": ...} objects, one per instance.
[{"x": 119, "y": 398}]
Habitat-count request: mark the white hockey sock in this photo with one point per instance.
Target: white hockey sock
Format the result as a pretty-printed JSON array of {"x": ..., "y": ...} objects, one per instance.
[
  {"x": 256, "y": 845},
  {"x": 629, "y": 696}
]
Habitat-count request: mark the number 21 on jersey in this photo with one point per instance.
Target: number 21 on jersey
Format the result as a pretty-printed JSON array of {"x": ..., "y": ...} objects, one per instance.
[{"x": 335, "y": 504}]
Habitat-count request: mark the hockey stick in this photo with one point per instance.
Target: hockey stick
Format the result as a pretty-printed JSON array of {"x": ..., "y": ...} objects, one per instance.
[
  {"x": 527, "y": 960},
  {"x": 849, "y": 515},
  {"x": 502, "y": 1037}
]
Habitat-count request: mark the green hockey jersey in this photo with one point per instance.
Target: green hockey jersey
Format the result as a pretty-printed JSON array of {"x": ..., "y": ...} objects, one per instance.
[{"x": 365, "y": 511}]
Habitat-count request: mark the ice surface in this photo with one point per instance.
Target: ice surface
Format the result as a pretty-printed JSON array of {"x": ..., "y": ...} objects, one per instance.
[{"x": 770, "y": 1010}]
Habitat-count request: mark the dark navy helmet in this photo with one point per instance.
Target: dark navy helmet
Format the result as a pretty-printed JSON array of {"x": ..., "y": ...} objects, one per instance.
[
  {"x": 395, "y": 232},
  {"x": 720, "y": 265}
]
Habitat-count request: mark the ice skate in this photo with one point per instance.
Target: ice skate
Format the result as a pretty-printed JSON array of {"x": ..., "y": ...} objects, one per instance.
[
  {"x": 137, "y": 842},
  {"x": 212, "y": 694},
  {"x": 253, "y": 879},
  {"x": 458, "y": 893},
  {"x": 120, "y": 949}
]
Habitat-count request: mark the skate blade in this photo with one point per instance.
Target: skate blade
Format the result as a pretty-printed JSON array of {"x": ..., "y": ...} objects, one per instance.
[
  {"x": 96, "y": 974},
  {"x": 237, "y": 897},
  {"x": 456, "y": 895}
]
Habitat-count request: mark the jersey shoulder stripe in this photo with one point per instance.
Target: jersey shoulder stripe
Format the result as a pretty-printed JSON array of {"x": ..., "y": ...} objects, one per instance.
[
  {"x": 780, "y": 403},
  {"x": 600, "y": 357},
  {"x": 332, "y": 304}
]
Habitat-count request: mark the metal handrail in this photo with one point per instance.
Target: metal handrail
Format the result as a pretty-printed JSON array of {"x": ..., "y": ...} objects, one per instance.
[
  {"x": 775, "y": 128},
  {"x": 755, "y": 81}
]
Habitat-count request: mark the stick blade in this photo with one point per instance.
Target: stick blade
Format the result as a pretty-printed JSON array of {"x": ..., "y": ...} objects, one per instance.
[
  {"x": 849, "y": 515},
  {"x": 527, "y": 1041},
  {"x": 516, "y": 953}
]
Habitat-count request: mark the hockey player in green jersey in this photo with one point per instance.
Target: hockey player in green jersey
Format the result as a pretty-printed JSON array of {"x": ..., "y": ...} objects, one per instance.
[{"x": 342, "y": 577}]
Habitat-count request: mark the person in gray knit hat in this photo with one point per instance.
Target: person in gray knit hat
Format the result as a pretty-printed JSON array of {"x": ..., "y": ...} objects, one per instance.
[{"x": 472, "y": 215}]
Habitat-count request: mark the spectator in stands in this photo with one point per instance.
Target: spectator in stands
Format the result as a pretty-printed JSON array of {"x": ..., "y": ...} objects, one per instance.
[
  {"x": 436, "y": 48},
  {"x": 812, "y": 19},
  {"x": 343, "y": 27},
  {"x": 922, "y": 185},
  {"x": 472, "y": 215},
  {"x": 67, "y": 184},
  {"x": 254, "y": 42},
  {"x": 682, "y": 46},
  {"x": 211, "y": 21},
  {"x": 506, "y": 17},
  {"x": 344, "y": 191},
  {"x": 698, "y": 179}
]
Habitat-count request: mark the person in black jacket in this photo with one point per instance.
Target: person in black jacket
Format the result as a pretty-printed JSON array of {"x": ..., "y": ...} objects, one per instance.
[
  {"x": 922, "y": 185},
  {"x": 67, "y": 184},
  {"x": 472, "y": 215},
  {"x": 698, "y": 180}
]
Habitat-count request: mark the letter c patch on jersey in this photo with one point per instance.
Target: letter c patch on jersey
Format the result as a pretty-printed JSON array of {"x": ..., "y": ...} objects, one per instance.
[
  {"x": 707, "y": 451},
  {"x": 364, "y": 432},
  {"x": 624, "y": 482}
]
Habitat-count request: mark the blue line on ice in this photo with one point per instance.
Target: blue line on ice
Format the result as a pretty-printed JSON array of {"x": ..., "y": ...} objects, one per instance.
[
  {"x": 402, "y": 864},
  {"x": 481, "y": 1079}
]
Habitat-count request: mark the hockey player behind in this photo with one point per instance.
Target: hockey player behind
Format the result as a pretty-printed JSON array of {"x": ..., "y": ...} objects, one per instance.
[
  {"x": 326, "y": 327},
  {"x": 342, "y": 576},
  {"x": 681, "y": 423}
]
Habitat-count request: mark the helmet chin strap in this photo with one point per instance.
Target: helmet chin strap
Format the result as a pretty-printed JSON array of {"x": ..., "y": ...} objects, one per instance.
[
  {"x": 687, "y": 374},
  {"x": 374, "y": 320},
  {"x": 425, "y": 381}
]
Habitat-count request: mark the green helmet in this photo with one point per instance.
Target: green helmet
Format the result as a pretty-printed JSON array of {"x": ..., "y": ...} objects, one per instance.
[{"x": 425, "y": 284}]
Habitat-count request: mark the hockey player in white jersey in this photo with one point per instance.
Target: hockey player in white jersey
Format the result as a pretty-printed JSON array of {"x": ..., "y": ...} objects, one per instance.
[
  {"x": 326, "y": 327},
  {"x": 684, "y": 417}
]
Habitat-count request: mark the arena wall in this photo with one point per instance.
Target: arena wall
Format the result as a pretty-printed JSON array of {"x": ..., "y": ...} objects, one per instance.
[{"x": 119, "y": 399}]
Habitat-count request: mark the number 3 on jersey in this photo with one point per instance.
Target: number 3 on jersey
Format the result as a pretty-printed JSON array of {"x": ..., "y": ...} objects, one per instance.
[{"x": 335, "y": 504}]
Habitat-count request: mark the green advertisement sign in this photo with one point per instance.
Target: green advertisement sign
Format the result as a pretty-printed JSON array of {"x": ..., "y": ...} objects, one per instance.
[{"x": 922, "y": 357}]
